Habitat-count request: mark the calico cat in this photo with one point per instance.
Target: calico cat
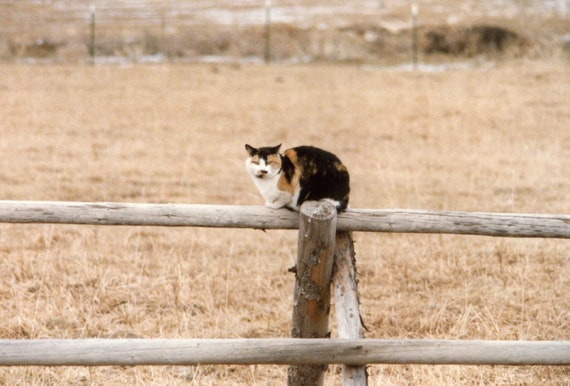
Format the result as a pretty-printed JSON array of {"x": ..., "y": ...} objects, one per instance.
[{"x": 300, "y": 174}]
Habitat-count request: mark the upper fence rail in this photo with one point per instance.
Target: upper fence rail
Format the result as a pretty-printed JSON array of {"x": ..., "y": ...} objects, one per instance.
[{"x": 256, "y": 217}]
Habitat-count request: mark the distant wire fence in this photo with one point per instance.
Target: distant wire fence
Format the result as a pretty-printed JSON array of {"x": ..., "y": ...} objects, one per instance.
[
  {"x": 154, "y": 30},
  {"x": 258, "y": 31},
  {"x": 130, "y": 29}
]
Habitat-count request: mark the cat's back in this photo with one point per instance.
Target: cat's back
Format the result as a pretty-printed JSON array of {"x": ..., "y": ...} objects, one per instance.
[
  {"x": 310, "y": 158},
  {"x": 320, "y": 173}
]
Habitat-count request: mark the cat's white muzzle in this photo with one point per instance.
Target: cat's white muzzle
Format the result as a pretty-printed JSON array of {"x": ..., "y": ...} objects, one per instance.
[{"x": 260, "y": 171}]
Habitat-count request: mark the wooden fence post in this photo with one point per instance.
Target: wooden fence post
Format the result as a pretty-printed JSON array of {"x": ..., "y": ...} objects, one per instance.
[
  {"x": 347, "y": 303},
  {"x": 311, "y": 303}
]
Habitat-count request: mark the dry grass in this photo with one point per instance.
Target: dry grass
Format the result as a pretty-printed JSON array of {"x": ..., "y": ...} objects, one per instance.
[{"x": 493, "y": 140}]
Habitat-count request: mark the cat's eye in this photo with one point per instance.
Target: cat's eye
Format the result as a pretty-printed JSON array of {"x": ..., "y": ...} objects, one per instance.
[{"x": 255, "y": 162}]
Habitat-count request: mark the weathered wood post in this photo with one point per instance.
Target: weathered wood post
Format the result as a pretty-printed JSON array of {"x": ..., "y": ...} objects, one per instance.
[
  {"x": 311, "y": 303},
  {"x": 347, "y": 303}
]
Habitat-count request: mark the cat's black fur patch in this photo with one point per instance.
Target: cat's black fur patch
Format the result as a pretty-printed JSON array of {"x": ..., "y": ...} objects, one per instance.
[
  {"x": 263, "y": 152},
  {"x": 323, "y": 176},
  {"x": 287, "y": 168}
]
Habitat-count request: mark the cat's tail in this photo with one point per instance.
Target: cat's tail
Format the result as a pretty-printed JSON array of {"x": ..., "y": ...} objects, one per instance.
[{"x": 340, "y": 206}]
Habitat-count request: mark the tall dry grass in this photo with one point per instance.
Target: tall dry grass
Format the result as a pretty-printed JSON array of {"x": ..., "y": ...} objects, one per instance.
[{"x": 487, "y": 140}]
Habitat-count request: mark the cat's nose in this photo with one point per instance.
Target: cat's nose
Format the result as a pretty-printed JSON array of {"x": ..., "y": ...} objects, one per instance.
[{"x": 263, "y": 171}]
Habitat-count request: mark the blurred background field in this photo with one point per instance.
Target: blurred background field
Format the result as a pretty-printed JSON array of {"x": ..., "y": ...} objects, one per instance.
[
  {"x": 372, "y": 31},
  {"x": 474, "y": 138}
]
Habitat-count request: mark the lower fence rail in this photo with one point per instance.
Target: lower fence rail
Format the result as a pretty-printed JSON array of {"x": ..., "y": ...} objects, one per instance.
[{"x": 134, "y": 352}]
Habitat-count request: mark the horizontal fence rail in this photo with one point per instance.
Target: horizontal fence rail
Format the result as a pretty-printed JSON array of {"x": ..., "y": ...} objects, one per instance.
[
  {"x": 132, "y": 352},
  {"x": 235, "y": 216}
]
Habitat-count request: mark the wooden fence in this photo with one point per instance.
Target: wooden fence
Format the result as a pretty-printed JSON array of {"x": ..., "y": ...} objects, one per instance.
[
  {"x": 324, "y": 241},
  {"x": 131, "y": 352}
]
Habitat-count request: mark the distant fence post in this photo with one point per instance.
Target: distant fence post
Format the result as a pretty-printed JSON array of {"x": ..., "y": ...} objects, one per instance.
[
  {"x": 313, "y": 271},
  {"x": 267, "y": 53},
  {"x": 414, "y": 8},
  {"x": 92, "y": 33}
]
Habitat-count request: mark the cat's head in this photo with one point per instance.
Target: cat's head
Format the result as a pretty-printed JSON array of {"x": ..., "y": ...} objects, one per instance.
[{"x": 263, "y": 162}]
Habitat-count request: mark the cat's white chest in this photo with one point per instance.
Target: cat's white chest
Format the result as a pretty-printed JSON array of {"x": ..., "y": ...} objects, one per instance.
[
  {"x": 274, "y": 198},
  {"x": 267, "y": 184}
]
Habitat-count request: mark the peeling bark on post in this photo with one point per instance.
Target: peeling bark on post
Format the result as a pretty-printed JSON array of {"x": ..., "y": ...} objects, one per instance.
[
  {"x": 347, "y": 304},
  {"x": 311, "y": 307}
]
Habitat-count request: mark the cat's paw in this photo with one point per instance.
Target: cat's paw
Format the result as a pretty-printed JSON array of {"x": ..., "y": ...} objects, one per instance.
[{"x": 274, "y": 205}]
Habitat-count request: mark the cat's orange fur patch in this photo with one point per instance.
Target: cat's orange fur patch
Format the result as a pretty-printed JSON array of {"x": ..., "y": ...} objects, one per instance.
[
  {"x": 340, "y": 167},
  {"x": 274, "y": 160},
  {"x": 285, "y": 185},
  {"x": 292, "y": 155}
]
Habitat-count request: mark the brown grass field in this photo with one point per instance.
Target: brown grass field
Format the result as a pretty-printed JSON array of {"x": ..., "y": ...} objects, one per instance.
[{"x": 494, "y": 139}]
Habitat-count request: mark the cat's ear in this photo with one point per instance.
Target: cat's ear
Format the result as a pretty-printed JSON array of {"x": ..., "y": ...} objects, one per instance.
[
  {"x": 275, "y": 149},
  {"x": 251, "y": 150}
]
